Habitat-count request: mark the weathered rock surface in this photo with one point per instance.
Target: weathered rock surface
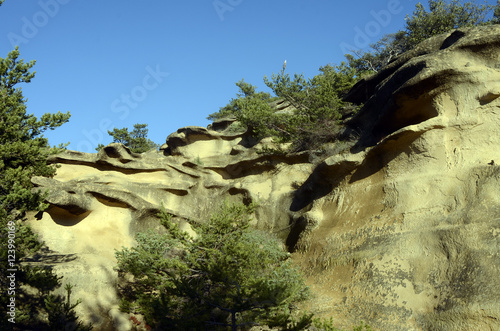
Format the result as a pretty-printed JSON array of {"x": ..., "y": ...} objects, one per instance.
[
  {"x": 402, "y": 232},
  {"x": 99, "y": 201}
]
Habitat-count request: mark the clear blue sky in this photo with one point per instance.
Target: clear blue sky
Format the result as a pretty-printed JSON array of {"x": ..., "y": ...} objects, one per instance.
[{"x": 171, "y": 63}]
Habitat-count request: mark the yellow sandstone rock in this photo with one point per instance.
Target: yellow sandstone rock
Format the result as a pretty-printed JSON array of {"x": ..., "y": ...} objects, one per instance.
[{"x": 401, "y": 231}]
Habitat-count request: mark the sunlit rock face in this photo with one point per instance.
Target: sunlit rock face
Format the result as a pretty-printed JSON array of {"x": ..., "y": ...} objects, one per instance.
[
  {"x": 401, "y": 231},
  {"x": 98, "y": 202},
  {"x": 406, "y": 235}
]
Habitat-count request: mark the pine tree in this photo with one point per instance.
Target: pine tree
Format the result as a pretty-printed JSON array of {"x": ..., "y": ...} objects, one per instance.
[
  {"x": 228, "y": 276},
  {"x": 23, "y": 154},
  {"x": 23, "y": 149},
  {"x": 440, "y": 18},
  {"x": 137, "y": 140},
  {"x": 496, "y": 14},
  {"x": 62, "y": 314}
]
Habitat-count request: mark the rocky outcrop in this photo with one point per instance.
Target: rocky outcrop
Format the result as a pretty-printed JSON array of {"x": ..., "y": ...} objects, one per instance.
[
  {"x": 461, "y": 66},
  {"x": 402, "y": 231},
  {"x": 98, "y": 202}
]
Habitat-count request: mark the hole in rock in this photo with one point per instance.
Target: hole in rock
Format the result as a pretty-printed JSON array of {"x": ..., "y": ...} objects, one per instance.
[
  {"x": 242, "y": 194},
  {"x": 453, "y": 38},
  {"x": 407, "y": 111},
  {"x": 64, "y": 217},
  {"x": 298, "y": 226},
  {"x": 109, "y": 201}
]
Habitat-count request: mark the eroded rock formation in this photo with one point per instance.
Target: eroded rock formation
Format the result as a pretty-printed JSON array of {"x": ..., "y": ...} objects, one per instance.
[{"x": 402, "y": 231}]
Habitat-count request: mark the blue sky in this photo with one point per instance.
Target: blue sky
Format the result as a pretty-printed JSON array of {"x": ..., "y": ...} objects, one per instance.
[{"x": 171, "y": 63}]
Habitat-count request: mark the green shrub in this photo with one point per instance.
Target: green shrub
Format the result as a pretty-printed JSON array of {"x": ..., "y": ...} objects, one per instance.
[
  {"x": 61, "y": 312},
  {"x": 23, "y": 154},
  {"x": 441, "y": 17},
  {"x": 228, "y": 276},
  {"x": 314, "y": 113},
  {"x": 136, "y": 140}
]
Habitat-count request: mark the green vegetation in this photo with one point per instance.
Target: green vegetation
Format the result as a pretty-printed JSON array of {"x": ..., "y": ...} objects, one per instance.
[
  {"x": 315, "y": 107},
  {"x": 496, "y": 14},
  {"x": 423, "y": 24},
  {"x": 23, "y": 154},
  {"x": 137, "y": 140},
  {"x": 228, "y": 276},
  {"x": 327, "y": 325},
  {"x": 442, "y": 17},
  {"x": 23, "y": 149},
  {"x": 318, "y": 108},
  {"x": 61, "y": 313},
  {"x": 245, "y": 103},
  {"x": 317, "y": 112},
  {"x": 383, "y": 52}
]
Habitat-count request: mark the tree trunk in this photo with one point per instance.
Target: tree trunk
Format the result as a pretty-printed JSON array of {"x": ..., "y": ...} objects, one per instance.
[{"x": 233, "y": 321}]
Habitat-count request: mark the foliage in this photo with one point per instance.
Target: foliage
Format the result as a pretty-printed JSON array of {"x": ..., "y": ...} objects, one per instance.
[
  {"x": 315, "y": 107},
  {"x": 440, "y": 18},
  {"x": 422, "y": 24},
  {"x": 324, "y": 324},
  {"x": 496, "y": 14},
  {"x": 382, "y": 53},
  {"x": 229, "y": 275},
  {"x": 43, "y": 279},
  {"x": 307, "y": 321},
  {"x": 62, "y": 314},
  {"x": 319, "y": 97},
  {"x": 252, "y": 110},
  {"x": 318, "y": 104},
  {"x": 256, "y": 115},
  {"x": 236, "y": 107},
  {"x": 23, "y": 149},
  {"x": 137, "y": 140},
  {"x": 23, "y": 154},
  {"x": 362, "y": 327},
  {"x": 286, "y": 322}
]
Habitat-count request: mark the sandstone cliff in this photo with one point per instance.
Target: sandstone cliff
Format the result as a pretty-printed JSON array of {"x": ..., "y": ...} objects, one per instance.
[{"x": 402, "y": 230}]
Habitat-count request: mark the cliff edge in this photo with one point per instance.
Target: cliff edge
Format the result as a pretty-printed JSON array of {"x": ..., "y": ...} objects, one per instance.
[{"x": 401, "y": 231}]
